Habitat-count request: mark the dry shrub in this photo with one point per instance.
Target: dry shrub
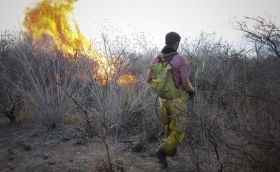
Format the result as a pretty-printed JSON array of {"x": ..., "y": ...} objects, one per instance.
[
  {"x": 101, "y": 164},
  {"x": 37, "y": 79},
  {"x": 100, "y": 159},
  {"x": 233, "y": 121},
  {"x": 74, "y": 120}
]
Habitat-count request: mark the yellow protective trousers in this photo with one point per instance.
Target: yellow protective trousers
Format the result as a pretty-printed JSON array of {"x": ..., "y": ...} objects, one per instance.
[{"x": 173, "y": 114}]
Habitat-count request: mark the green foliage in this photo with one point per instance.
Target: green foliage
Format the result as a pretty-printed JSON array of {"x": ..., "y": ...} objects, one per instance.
[{"x": 195, "y": 70}]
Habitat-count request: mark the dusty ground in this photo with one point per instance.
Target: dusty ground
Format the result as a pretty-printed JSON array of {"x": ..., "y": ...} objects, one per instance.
[{"x": 23, "y": 148}]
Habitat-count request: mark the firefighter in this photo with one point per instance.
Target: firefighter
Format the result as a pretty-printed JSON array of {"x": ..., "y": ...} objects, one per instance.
[{"x": 173, "y": 111}]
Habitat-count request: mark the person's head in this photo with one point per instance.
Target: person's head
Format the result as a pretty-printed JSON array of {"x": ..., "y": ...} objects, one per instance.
[{"x": 172, "y": 39}]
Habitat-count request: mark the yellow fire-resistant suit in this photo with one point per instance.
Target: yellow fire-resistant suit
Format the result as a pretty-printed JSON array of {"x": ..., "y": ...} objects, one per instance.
[{"x": 173, "y": 114}]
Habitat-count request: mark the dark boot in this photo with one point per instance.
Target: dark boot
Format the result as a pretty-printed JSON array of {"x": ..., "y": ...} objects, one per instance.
[
  {"x": 160, "y": 155},
  {"x": 174, "y": 152}
]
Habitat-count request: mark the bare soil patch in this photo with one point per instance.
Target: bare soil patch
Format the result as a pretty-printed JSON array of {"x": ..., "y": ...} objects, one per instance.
[
  {"x": 65, "y": 148},
  {"x": 33, "y": 151}
]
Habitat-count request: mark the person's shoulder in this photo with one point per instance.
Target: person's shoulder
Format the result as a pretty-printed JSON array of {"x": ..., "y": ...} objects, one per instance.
[
  {"x": 179, "y": 57},
  {"x": 155, "y": 59},
  {"x": 155, "y": 56}
]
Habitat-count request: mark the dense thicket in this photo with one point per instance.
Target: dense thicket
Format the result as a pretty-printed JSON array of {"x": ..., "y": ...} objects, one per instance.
[{"x": 233, "y": 122}]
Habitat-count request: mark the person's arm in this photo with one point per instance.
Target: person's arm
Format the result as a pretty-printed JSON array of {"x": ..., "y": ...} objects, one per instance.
[
  {"x": 149, "y": 77},
  {"x": 186, "y": 85}
]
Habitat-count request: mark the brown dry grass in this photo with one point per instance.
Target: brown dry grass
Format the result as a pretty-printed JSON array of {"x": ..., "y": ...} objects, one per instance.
[{"x": 74, "y": 120}]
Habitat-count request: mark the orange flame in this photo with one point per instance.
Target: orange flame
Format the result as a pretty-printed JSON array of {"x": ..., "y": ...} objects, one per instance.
[{"x": 51, "y": 17}]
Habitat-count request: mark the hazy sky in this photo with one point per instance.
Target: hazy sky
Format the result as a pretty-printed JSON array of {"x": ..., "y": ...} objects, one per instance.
[{"x": 157, "y": 17}]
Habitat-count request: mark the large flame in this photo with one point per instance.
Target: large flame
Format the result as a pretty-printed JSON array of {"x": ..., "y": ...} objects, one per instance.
[{"x": 53, "y": 18}]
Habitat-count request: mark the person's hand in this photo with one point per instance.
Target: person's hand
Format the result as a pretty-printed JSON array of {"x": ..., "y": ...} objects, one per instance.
[{"x": 191, "y": 94}]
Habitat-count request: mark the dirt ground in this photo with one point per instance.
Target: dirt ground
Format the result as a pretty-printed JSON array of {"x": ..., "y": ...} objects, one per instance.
[{"x": 64, "y": 148}]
